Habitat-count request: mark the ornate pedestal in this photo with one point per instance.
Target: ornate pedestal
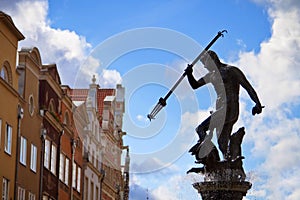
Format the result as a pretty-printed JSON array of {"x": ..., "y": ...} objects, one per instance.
[
  {"x": 223, "y": 180},
  {"x": 223, "y": 185},
  {"x": 222, "y": 190}
]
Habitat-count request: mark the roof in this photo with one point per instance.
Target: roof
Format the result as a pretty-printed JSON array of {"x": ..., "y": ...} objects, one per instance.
[
  {"x": 53, "y": 72},
  {"x": 82, "y": 94},
  {"x": 101, "y": 94},
  {"x": 78, "y": 94}
]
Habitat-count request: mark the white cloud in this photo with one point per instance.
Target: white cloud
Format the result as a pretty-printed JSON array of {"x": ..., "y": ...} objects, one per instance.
[
  {"x": 164, "y": 193},
  {"x": 276, "y": 140},
  {"x": 109, "y": 78},
  {"x": 64, "y": 47},
  {"x": 176, "y": 187},
  {"x": 87, "y": 70},
  {"x": 138, "y": 192},
  {"x": 273, "y": 69},
  {"x": 191, "y": 120},
  {"x": 275, "y": 133},
  {"x": 163, "y": 185},
  {"x": 33, "y": 20},
  {"x": 151, "y": 164},
  {"x": 281, "y": 164},
  {"x": 134, "y": 180},
  {"x": 187, "y": 135},
  {"x": 143, "y": 119}
]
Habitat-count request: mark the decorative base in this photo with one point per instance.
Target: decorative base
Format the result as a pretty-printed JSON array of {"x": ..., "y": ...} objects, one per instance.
[
  {"x": 225, "y": 190},
  {"x": 223, "y": 180},
  {"x": 225, "y": 184}
]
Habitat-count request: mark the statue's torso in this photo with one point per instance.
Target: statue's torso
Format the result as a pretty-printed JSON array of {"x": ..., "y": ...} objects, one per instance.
[{"x": 226, "y": 85}]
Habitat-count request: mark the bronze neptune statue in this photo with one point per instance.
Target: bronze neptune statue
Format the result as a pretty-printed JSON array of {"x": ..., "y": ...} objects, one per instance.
[{"x": 226, "y": 81}]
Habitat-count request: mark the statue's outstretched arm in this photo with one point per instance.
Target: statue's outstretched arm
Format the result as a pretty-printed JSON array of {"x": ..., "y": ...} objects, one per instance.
[{"x": 248, "y": 87}]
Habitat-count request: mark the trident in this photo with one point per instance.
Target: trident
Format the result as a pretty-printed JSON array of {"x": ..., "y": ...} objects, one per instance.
[{"x": 162, "y": 102}]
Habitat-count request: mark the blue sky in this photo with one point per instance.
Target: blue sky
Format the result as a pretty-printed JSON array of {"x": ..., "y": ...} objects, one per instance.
[{"x": 146, "y": 46}]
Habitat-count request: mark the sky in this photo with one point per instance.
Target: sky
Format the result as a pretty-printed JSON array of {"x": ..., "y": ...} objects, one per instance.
[{"x": 146, "y": 45}]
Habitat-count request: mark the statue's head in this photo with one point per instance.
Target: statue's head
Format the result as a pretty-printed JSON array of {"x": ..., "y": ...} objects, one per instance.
[{"x": 210, "y": 60}]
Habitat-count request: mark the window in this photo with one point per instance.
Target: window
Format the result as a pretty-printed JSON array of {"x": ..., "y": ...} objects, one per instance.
[
  {"x": 50, "y": 156},
  {"x": 33, "y": 158},
  {"x": 74, "y": 176},
  {"x": 53, "y": 159},
  {"x": 5, "y": 72},
  {"x": 67, "y": 171},
  {"x": 21, "y": 193},
  {"x": 78, "y": 178},
  {"x": 51, "y": 106},
  {"x": 86, "y": 188},
  {"x": 23, "y": 150},
  {"x": 5, "y": 189},
  {"x": 8, "y": 136},
  {"x": 96, "y": 160},
  {"x": 47, "y": 154},
  {"x": 92, "y": 190},
  {"x": 67, "y": 119},
  {"x": 61, "y": 167},
  {"x": 31, "y": 105},
  {"x": 93, "y": 156},
  {"x": 64, "y": 169},
  {"x": 97, "y": 193},
  {"x": 31, "y": 196}
]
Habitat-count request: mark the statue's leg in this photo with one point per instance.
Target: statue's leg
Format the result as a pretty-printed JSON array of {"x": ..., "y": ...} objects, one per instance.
[
  {"x": 223, "y": 138},
  {"x": 202, "y": 128},
  {"x": 235, "y": 142},
  {"x": 223, "y": 120}
]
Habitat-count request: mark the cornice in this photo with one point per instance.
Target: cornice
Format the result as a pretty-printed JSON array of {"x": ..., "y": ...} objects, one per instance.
[
  {"x": 7, "y": 20},
  {"x": 9, "y": 87}
]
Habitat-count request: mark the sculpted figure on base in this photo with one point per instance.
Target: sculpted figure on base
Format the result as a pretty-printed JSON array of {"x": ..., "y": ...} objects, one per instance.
[{"x": 226, "y": 81}]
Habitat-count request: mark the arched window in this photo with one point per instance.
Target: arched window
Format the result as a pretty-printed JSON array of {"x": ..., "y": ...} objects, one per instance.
[
  {"x": 5, "y": 72},
  {"x": 51, "y": 107},
  {"x": 67, "y": 119},
  {"x": 31, "y": 105}
]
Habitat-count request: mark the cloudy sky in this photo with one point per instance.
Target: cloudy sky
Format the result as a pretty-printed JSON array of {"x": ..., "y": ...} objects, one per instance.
[{"x": 146, "y": 45}]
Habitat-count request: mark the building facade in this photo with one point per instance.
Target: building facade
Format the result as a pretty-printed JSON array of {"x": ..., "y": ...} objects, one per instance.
[
  {"x": 62, "y": 161},
  {"x": 11, "y": 111},
  {"x": 49, "y": 101},
  {"x": 93, "y": 174},
  {"x": 108, "y": 107},
  {"x": 111, "y": 112},
  {"x": 56, "y": 142},
  {"x": 70, "y": 152},
  {"x": 29, "y": 156}
]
